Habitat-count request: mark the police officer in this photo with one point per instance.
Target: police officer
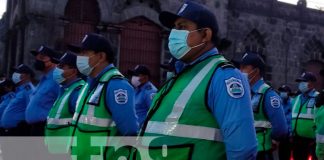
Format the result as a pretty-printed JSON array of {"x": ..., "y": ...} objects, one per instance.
[
  {"x": 7, "y": 87},
  {"x": 284, "y": 146},
  {"x": 269, "y": 118},
  {"x": 204, "y": 111},
  {"x": 303, "y": 117},
  {"x": 60, "y": 116},
  {"x": 13, "y": 118},
  {"x": 46, "y": 92},
  {"x": 144, "y": 91},
  {"x": 106, "y": 105},
  {"x": 319, "y": 121}
]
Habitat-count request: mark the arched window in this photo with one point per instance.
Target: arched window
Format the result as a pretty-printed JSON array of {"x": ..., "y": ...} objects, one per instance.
[
  {"x": 314, "y": 50},
  {"x": 82, "y": 17},
  {"x": 254, "y": 42}
]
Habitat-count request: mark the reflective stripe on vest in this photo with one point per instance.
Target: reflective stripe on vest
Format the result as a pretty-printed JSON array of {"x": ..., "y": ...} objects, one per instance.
[
  {"x": 94, "y": 121},
  {"x": 262, "y": 124},
  {"x": 263, "y": 88},
  {"x": 90, "y": 119},
  {"x": 186, "y": 94},
  {"x": 59, "y": 121},
  {"x": 305, "y": 116},
  {"x": 171, "y": 126},
  {"x": 319, "y": 138},
  {"x": 308, "y": 115},
  {"x": 185, "y": 131}
]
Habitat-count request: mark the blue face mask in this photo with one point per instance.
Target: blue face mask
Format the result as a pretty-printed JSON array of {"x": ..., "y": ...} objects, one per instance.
[
  {"x": 178, "y": 45},
  {"x": 303, "y": 87},
  {"x": 58, "y": 75}
]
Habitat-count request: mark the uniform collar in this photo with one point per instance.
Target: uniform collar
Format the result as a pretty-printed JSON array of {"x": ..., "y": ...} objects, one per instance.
[
  {"x": 22, "y": 86},
  {"x": 6, "y": 96},
  {"x": 143, "y": 86},
  {"x": 101, "y": 73},
  {"x": 65, "y": 86},
  {"x": 257, "y": 85},
  {"x": 50, "y": 73},
  {"x": 312, "y": 93},
  {"x": 180, "y": 65}
]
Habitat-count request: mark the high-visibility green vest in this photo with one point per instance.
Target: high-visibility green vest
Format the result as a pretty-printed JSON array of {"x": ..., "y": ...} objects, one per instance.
[
  {"x": 185, "y": 127},
  {"x": 92, "y": 121},
  {"x": 319, "y": 121},
  {"x": 57, "y": 130},
  {"x": 303, "y": 117},
  {"x": 261, "y": 122}
]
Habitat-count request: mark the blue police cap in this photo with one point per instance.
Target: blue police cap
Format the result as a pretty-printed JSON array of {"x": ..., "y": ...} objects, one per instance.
[
  {"x": 69, "y": 58},
  {"x": 192, "y": 11},
  {"x": 22, "y": 68},
  {"x": 253, "y": 59},
  {"x": 306, "y": 77},
  {"x": 48, "y": 52},
  {"x": 139, "y": 69},
  {"x": 94, "y": 42},
  {"x": 284, "y": 88}
]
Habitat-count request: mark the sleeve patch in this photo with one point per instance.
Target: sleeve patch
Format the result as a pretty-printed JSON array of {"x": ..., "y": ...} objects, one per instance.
[
  {"x": 234, "y": 87},
  {"x": 121, "y": 96},
  {"x": 275, "y": 102}
]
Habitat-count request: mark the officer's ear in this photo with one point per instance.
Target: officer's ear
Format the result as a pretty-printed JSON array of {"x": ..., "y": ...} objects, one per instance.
[
  {"x": 103, "y": 56},
  {"x": 258, "y": 71},
  {"x": 311, "y": 84},
  {"x": 75, "y": 71},
  {"x": 208, "y": 34},
  {"x": 23, "y": 76}
]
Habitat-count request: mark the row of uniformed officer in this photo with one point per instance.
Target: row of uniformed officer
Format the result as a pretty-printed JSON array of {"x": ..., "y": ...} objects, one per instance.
[{"x": 13, "y": 117}]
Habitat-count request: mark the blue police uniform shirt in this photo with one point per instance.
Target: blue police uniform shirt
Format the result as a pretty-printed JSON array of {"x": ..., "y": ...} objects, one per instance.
[
  {"x": 74, "y": 95},
  {"x": 5, "y": 100},
  {"x": 273, "y": 110},
  {"x": 15, "y": 112},
  {"x": 122, "y": 109},
  {"x": 310, "y": 95},
  {"x": 143, "y": 99},
  {"x": 42, "y": 99},
  {"x": 287, "y": 106},
  {"x": 232, "y": 111}
]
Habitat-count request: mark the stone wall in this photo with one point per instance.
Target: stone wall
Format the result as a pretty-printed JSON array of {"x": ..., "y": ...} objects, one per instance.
[
  {"x": 285, "y": 34},
  {"x": 285, "y": 29}
]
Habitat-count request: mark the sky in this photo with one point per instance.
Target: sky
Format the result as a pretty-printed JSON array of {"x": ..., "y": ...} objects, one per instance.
[
  {"x": 317, "y": 4},
  {"x": 3, "y": 5}
]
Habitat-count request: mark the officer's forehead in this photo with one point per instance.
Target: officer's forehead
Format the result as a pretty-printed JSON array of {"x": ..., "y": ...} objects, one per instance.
[
  {"x": 247, "y": 66},
  {"x": 42, "y": 56},
  {"x": 184, "y": 21}
]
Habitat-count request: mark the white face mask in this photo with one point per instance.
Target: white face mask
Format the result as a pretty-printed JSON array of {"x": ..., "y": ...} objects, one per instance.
[
  {"x": 135, "y": 81},
  {"x": 84, "y": 66},
  {"x": 16, "y": 77}
]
